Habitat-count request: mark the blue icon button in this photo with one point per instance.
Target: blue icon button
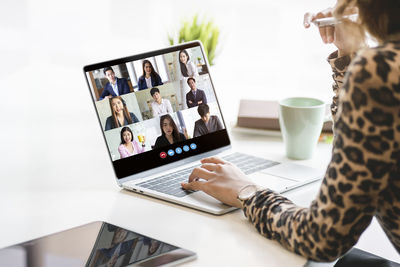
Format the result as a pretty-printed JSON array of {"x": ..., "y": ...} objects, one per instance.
[
  {"x": 186, "y": 148},
  {"x": 193, "y": 146},
  {"x": 171, "y": 152},
  {"x": 178, "y": 150}
]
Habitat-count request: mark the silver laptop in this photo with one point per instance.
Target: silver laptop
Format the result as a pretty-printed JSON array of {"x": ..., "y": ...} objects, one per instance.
[{"x": 159, "y": 115}]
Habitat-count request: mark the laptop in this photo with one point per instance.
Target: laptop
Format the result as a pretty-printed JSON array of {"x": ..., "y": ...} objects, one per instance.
[{"x": 159, "y": 116}]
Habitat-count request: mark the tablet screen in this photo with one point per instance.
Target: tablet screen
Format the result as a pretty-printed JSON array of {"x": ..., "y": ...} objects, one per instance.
[
  {"x": 156, "y": 108},
  {"x": 94, "y": 244}
]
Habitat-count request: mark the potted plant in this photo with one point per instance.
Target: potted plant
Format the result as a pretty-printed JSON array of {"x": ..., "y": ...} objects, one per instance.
[{"x": 205, "y": 31}]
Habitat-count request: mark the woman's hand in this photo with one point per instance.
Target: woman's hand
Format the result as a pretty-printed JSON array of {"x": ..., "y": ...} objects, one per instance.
[
  {"x": 347, "y": 36},
  {"x": 219, "y": 179},
  {"x": 328, "y": 32}
]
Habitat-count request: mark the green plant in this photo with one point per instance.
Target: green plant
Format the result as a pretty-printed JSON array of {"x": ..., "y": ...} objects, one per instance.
[{"x": 205, "y": 31}]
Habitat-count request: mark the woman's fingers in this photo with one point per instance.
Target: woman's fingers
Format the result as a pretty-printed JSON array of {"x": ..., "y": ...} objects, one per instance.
[
  {"x": 322, "y": 30},
  {"x": 211, "y": 167},
  {"x": 330, "y": 32},
  {"x": 214, "y": 160},
  {"x": 200, "y": 173},
  {"x": 307, "y": 19},
  {"x": 194, "y": 185}
]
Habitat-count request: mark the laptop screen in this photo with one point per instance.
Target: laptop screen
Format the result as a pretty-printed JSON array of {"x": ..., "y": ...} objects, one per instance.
[{"x": 156, "y": 108}]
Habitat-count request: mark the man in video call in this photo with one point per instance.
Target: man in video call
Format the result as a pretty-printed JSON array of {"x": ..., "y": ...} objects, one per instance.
[
  {"x": 160, "y": 106},
  {"x": 207, "y": 124},
  {"x": 115, "y": 86},
  {"x": 196, "y": 96}
]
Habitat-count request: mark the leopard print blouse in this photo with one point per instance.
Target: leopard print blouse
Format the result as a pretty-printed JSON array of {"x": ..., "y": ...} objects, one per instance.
[{"x": 363, "y": 178}]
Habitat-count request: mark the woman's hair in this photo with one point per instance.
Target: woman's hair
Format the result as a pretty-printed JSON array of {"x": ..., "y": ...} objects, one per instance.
[
  {"x": 378, "y": 17},
  {"x": 126, "y": 112},
  {"x": 153, "y": 74},
  {"x": 183, "y": 65},
  {"x": 125, "y": 129},
  {"x": 175, "y": 132}
]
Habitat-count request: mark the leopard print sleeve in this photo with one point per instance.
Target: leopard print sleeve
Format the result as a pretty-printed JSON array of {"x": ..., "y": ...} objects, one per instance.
[
  {"x": 363, "y": 178},
  {"x": 339, "y": 67}
]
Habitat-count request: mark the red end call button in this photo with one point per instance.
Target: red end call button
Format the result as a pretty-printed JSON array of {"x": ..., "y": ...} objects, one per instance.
[{"x": 163, "y": 155}]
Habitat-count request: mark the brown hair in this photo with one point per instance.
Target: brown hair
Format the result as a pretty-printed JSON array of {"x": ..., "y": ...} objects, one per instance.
[
  {"x": 175, "y": 131},
  {"x": 378, "y": 17},
  {"x": 126, "y": 112}
]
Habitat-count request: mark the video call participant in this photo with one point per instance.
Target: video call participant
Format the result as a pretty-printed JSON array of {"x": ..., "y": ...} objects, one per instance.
[
  {"x": 195, "y": 96},
  {"x": 169, "y": 132},
  {"x": 160, "y": 106},
  {"x": 150, "y": 77},
  {"x": 207, "y": 124},
  {"x": 120, "y": 114},
  {"x": 188, "y": 69},
  {"x": 115, "y": 86},
  {"x": 129, "y": 146}
]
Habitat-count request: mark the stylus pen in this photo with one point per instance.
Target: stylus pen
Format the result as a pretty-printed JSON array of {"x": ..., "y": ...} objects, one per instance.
[{"x": 331, "y": 21}]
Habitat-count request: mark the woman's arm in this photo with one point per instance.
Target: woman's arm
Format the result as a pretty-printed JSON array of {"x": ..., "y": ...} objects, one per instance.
[
  {"x": 109, "y": 124},
  {"x": 192, "y": 70},
  {"x": 123, "y": 152},
  {"x": 159, "y": 81},
  {"x": 133, "y": 117},
  {"x": 348, "y": 197},
  {"x": 139, "y": 147}
]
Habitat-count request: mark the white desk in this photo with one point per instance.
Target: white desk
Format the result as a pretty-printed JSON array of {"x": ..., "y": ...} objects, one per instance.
[{"x": 77, "y": 194}]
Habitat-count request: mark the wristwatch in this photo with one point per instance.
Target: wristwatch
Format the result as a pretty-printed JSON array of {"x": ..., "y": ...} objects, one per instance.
[{"x": 247, "y": 192}]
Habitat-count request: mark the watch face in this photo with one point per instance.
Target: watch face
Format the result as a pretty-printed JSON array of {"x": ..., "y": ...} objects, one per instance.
[{"x": 247, "y": 192}]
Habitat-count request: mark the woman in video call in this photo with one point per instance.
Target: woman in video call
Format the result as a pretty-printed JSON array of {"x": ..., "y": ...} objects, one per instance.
[
  {"x": 120, "y": 114},
  {"x": 169, "y": 132},
  {"x": 129, "y": 146},
  {"x": 362, "y": 180},
  {"x": 150, "y": 77},
  {"x": 188, "y": 69}
]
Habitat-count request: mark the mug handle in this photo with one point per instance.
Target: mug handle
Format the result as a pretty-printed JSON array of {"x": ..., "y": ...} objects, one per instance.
[{"x": 328, "y": 113}]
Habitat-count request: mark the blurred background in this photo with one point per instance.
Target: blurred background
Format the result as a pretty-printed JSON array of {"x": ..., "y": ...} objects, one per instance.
[{"x": 264, "y": 52}]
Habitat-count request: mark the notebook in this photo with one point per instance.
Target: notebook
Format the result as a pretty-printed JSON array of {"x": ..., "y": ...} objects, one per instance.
[{"x": 159, "y": 115}]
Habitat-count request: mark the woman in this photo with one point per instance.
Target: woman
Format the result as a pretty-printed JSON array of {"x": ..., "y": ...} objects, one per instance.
[
  {"x": 188, "y": 69},
  {"x": 169, "y": 132},
  {"x": 363, "y": 177},
  {"x": 129, "y": 146},
  {"x": 149, "y": 78},
  {"x": 120, "y": 114}
]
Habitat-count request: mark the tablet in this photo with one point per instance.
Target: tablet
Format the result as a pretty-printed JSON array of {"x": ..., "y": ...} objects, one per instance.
[{"x": 94, "y": 244}]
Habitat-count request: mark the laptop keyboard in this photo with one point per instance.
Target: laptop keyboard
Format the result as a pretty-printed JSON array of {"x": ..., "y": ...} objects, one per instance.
[{"x": 171, "y": 183}]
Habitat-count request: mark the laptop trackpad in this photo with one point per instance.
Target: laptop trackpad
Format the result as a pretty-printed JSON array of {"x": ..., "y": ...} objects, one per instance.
[
  {"x": 272, "y": 182},
  {"x": 295, "y": 172},
  {"x": 206, "y": 202}
]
